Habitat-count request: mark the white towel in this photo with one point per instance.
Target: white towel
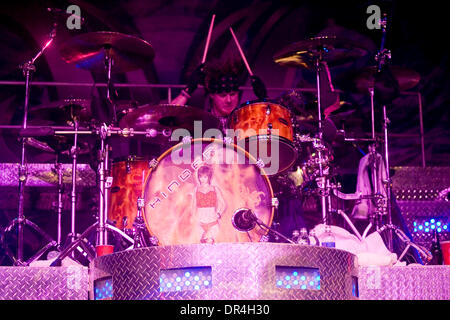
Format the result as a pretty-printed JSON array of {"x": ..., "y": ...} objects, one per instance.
[{"x": 370, "y": 251}]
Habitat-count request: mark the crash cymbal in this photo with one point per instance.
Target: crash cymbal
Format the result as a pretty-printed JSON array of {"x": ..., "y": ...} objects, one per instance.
[
  {"x": 406, "y": 78},
  {"x": 88, "y": 51},
  {"x": 168, "y": 117},
  {"x": 62, "y": 111},
  {"x": 333, "y": 50}
]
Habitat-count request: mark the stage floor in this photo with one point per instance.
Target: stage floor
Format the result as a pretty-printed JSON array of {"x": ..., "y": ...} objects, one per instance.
[{"x": 242, "y": 271}]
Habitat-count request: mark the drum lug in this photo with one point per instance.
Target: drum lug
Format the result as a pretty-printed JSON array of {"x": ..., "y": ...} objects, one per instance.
[
  {"x": 269, "y": 128},
  {"x": 275, "y": 202},
  {"x": 268, "y": 110},
  {"x": 108, "y": 182},
  {"x": 260, "y": 163},
  {"x": 228, "y": 140},
  {"x": 128, "y": 163},
  {"x": 153, "y": 163},
  {"x": 186, "y": 140},
  {"x": 154, "y": 241}
]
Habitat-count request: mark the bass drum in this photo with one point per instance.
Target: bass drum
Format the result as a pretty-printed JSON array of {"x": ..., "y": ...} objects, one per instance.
[{"x": 177, "y": 212}]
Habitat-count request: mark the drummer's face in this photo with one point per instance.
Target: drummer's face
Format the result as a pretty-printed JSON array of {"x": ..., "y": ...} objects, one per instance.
[{"x": 225, "y": 102}]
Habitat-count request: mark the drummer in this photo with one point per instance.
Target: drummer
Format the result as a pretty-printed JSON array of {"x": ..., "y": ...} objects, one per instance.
[
  {"x": 220, "y": 79},
  {"x": 221, "y": 82}
]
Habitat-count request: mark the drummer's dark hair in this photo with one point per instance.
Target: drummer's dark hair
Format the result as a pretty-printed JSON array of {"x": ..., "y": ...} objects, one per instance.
[{"x": 223, "y": 74}]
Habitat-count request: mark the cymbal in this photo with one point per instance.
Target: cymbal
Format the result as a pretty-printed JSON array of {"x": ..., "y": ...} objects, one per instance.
[
  {"x": 39, "y": 145},
  {"x": 58, "y": 144},
  {"x": 88, "y": 51},
  {"x": 168, "y": 117},
  {"x": 63, "y": 111},
  {"x": 333, "y": 50},
  {"x": 309, "y": 126},
  {"x": 406, "y": 78}
]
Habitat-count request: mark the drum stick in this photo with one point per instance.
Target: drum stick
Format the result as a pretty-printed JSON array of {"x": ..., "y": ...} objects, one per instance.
[
  {"x": 143, "y": 179},
  {"x": 241, "y": 52},
  {"x": 208, "y": 38}
]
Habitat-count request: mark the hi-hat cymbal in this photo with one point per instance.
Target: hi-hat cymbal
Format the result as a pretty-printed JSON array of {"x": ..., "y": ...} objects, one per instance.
[
  {"x": 333, "y": 50},
  {"x": 63, "y": 111},
  {"x": 406, "y": 78},
  {"x": 89, "y": 51},
  {"x": 310, "y": 128},
  {"x": 168, "y": 117}
]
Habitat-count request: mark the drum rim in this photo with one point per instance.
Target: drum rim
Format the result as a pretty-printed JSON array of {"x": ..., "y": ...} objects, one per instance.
[
  {"x": 127, "y": 158},
  {"x": 284, "y": 141},
  {"x": 214, "y": 140},
  {"x": 250, "y": 102}
]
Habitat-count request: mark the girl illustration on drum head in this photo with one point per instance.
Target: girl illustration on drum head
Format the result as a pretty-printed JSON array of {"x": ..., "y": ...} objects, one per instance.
[{"x": 209, "y": 205}]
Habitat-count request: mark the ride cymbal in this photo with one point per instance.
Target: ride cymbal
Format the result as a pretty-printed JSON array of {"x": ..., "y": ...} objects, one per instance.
[
  {"x": 406, "y": 78},
  {"x": 333, "y": 50}
]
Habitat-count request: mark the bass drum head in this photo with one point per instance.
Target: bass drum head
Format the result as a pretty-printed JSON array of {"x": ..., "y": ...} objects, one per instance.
[{"x": 173, "y": 212}]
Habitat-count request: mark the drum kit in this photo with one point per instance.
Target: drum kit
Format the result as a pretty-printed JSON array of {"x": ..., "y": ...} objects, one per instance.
[{"x": 155, "y": 202}]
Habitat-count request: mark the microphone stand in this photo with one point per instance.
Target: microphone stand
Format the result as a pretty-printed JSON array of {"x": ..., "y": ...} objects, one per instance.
[
  {"x": 263, "y": 225},
  {"x": 251, "y": 217},
  {"x": 28, "y": 68}
]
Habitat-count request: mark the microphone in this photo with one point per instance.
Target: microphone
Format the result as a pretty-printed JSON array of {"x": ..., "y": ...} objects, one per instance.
[
  {"x": 244, "y": 219},
  {"x": 65, "y": 14}
]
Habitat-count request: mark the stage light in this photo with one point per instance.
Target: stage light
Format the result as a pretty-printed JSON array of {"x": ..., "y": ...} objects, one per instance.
[
  {"x": 185, "y": 279},
  {"x": 303, "y": 278},
  {"x": 424, "y": 227},
  {"x": 103, "y": 289}
]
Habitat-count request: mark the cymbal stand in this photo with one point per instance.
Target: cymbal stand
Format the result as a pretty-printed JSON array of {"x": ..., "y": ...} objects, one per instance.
[
  {"x": 322, "y": 180},
  {"x": 74, "y": 153},
  {"x": 102, "y": 235},
  {"x": 28, "y": 68},
  {"x": 382, "y": 58},
  {"x": 100, "y": 226},
  {"x": 58, "y": 168},
  {"x": 388, "y": 181},
  {"x": 109, "y": 62},
  {"x": 139, "y": 226}
]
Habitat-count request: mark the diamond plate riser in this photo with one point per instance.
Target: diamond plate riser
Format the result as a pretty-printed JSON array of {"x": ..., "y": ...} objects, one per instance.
[
  {"x": 44, "y": 283},
  {"x": 240, "y": 271},
  {"x": 404, "y": 283}
]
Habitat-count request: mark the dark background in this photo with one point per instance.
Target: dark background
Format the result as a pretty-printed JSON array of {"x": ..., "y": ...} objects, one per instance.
[{"x": 177, "y": 29}]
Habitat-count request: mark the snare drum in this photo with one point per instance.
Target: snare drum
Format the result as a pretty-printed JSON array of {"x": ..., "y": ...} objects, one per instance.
[
  {"x": 128, "y": 180},
  {"x": 266, "y": 127},
  {"x": 175, "y": 212}
]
